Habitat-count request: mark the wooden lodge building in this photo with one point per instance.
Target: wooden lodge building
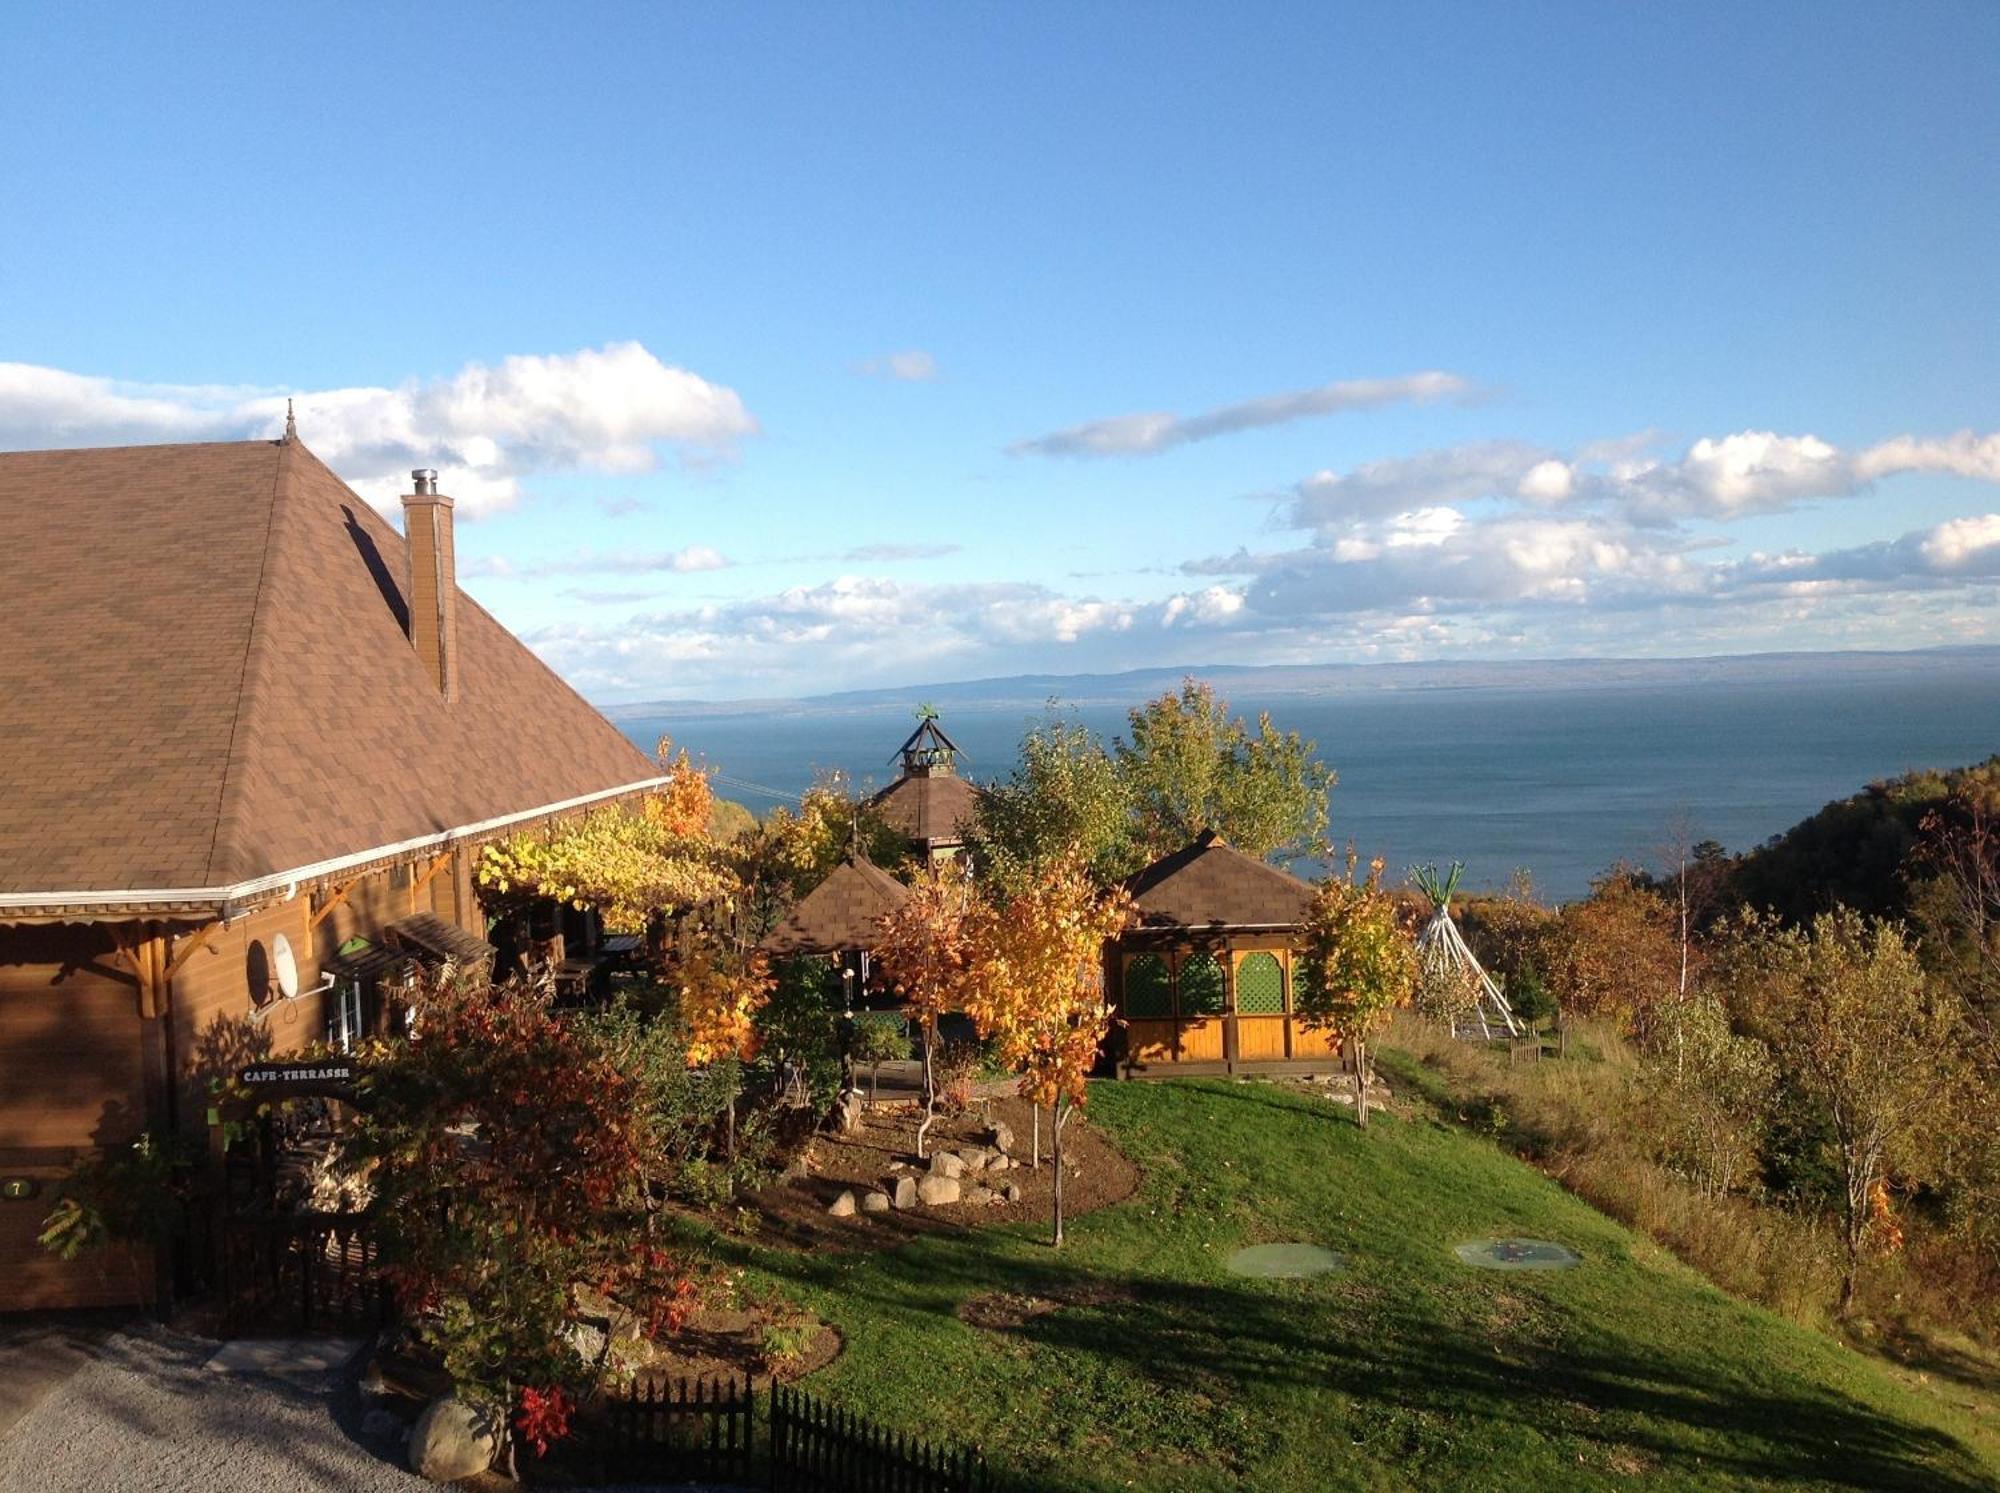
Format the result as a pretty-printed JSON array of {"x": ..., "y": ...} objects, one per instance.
[
  {"x": 251, "y": 738},
  {"x": 1202, "y": 982}
]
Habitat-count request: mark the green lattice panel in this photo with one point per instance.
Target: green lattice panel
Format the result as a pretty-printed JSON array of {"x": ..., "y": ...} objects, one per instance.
[
  {"x": 1260, "y": 986},
  {"x": 1149, "y": 988},
  {"x": 1201, "y": 986}
]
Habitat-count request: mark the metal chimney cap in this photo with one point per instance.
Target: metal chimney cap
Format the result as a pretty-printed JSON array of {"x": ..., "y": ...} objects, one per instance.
[{"x": 426, "y": 480}]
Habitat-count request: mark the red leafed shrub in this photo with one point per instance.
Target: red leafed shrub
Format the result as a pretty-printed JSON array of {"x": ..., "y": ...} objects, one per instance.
[
  {"x": 513, "y": 1164},
  {"x": 543, "y": 1417}
]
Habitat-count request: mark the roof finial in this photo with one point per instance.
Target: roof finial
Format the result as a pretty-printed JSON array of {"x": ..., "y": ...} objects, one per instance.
[{"x": 291, "y": 425}]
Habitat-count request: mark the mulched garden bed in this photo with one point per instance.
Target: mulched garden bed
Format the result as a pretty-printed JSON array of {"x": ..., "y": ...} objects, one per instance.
[{"x": 885, "y": 1146}]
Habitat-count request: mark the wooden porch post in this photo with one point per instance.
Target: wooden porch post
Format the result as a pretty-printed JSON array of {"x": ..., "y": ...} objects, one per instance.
[{"x": 1231, "y": 1052}]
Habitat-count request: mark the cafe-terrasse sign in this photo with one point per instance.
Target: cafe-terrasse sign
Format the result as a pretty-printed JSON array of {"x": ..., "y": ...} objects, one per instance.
[{"x": 328, "y": 1075}]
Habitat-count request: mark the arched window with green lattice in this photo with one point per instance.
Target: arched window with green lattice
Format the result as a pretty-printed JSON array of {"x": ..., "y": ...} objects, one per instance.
[
  {"x": 1260, "y": 985},
  {"x": 1201, "y": 986},
  {"x": 1149, "y": 987}
]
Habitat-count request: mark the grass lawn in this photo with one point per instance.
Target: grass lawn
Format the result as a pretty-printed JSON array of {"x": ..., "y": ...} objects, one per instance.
[{"x": 1407, "y": 1369}]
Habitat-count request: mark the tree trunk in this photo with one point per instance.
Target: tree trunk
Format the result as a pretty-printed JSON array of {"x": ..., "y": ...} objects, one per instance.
[
  {"x": 1361, "y": 1083},
  {"x": 1035, "y": 1152},
  {"x": 1056, "y": 1160},
  {"x": 930, "y": 1089}
]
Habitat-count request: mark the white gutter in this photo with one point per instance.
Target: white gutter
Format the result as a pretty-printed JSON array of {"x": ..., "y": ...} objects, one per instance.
[{"x": 278, "y": 881}]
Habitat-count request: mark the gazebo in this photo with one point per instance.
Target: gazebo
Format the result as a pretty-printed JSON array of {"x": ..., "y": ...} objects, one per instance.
[
  {"x": 929, "y": 804},
  {"x": 840, "y": 918},
  {"x": 1203, "y": 980}
]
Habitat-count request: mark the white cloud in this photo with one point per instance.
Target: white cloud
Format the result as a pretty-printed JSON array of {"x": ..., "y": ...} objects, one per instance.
[
  {"x": 691, "y": 559},
  {"x": 875, "y": 554},
  {"x": 1963, "y": 544},
  {"x": 1717, "y": 477},
  {"x": 1148, "y": 433},
  {"x": 911, "y": 366},
  {"x": 484, "y": 428}
]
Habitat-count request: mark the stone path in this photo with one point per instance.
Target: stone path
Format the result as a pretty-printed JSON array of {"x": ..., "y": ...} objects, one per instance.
[{"x": 147, "y": 1412}]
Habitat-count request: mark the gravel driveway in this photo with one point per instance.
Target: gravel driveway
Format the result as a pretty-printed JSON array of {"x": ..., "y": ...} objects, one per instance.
[{"x": 147, "y": 1415}]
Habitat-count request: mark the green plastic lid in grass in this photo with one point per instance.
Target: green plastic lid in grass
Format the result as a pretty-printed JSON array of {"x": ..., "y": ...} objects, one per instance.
[
  {"x": 1284, "y": 1261},
  {"x": 1517, "y": 1254}
]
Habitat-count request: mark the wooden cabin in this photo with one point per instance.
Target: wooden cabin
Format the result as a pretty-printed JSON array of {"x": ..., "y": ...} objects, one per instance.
[
  {"x": 1202, "y": 982},
  {"x": 251, "y": 740},
  {"x": 929, "y": 804}
]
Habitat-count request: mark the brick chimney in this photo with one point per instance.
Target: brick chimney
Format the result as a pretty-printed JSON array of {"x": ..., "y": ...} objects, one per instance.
[{"x": 433, "y": 581}]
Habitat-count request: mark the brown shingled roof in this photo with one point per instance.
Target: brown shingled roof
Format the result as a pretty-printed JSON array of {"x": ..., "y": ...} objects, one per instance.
[
  {"x": 206, "y": 679},
  {"x": 842, "y": 912},
  {"x": 933, "y": 809},
  {"x": 1211, "y": 884}
]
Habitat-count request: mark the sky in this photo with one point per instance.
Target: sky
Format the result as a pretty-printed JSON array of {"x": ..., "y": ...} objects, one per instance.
[{"x": 771, "y": 350}]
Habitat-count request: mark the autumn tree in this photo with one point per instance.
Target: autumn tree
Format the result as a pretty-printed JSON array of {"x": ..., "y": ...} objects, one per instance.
[
  {"x": 1861, "y": 1038},
  {"x": 1359, "y": 964},
  {"x": 1037, "y": 986},
  {"x": 1065, "y": 793},
  {"x": 926, "y": 953},
  {"x": 1616, "y": 953},
  {"x": 718, "y": 992},
  {"x": 1190, "y": 765}
]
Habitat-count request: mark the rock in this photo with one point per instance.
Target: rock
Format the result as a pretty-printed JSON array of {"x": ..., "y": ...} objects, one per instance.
[
  {"x": 946, "y": 1164},
  {"x": 904, "y": 1194},
  {"x": 1000, "y": 1136},
  {"x": 1000, "y": 1164},
  {"x": 373, "y": 1381},
  {"x": 982, "y": 1196},
  {"x": 938, "y": 1189},
  {"x": 1011, "y": 1192},
  {"x": 842, "y": 1206},
  {"x": 382, "y": 1425},
  {"x": 589, "y": 1339},
  {"x": 976, "y": 1158},
  {"x": 875, "y": 1202},
  {"x": 796, "y": 1170},
  {"x": 847, "y": 1111},
  {"x": 451, "y": 1440}
]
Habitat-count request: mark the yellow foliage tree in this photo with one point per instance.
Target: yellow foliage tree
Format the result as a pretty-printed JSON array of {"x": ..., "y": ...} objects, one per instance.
[
  {"x": 926, "y": 953},
  {"x": 1360, "y": 963},
  {"x": 1036, "y": 985}
]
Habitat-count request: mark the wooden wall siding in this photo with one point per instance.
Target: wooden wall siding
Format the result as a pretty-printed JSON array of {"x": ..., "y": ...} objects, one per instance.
[
  {"x": 1150, "y": 1041},
  {"x": 72, "y": 1069},
  {"x": 1260, "y": 1035},
  {"x": 1262, "y": 1039},
  {"x": 72, "y": 1078}
]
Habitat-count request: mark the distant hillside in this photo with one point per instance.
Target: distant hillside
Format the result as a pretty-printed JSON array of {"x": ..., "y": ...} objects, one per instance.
[{"x": 1278, "y": 681}]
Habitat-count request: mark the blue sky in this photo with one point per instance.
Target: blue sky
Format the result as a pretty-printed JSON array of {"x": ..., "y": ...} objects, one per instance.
[{"x": 778, "y": 349}]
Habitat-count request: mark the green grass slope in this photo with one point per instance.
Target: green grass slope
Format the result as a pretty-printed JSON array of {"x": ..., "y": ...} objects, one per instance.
[{"x": 1406, "y": 1370}]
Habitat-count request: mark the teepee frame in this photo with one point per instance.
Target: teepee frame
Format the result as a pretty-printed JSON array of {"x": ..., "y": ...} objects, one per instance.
[{"x": 1442, "y": 950}]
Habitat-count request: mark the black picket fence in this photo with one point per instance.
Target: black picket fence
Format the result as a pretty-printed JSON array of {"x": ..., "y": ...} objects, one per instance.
[
  {"x": 298, "y": 1274},
  {"x": 819, "y": 1448},
  {"x": 706, "y": 1431},
  {"x": 685, "y": 1431}
]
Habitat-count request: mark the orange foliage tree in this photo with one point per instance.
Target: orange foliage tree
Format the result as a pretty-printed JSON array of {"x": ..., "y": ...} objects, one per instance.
[
  {"x": 1037, "y": 986},
  {"x": 926, "y": 954}
]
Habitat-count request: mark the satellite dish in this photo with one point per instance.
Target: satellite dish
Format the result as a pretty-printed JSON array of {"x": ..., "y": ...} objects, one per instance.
[{"x": 284, "y": 968}]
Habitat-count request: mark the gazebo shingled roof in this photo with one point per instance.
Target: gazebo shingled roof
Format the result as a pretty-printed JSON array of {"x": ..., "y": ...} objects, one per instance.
[
  {"x": 843, "y": 912},
  {"x": 1211, "y": 884}
]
